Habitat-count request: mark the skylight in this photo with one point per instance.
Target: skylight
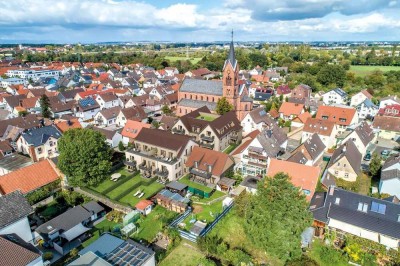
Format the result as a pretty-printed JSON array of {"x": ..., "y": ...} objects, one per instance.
[{"x": 378, "y": 207}]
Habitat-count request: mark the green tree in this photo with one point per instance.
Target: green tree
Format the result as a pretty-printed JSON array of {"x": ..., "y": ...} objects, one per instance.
[
  {"x": 277, "y": 216},
  {"x": 45, "y": 106},
  {"x": 332, "y": 74},
  {"x": 223, "y": 106},
  {"x": 375, "y": 164},
  {"x": 121, "y": 146},
  {"x": 85, "y": 157},
  {"x": 166, "y": 110}
]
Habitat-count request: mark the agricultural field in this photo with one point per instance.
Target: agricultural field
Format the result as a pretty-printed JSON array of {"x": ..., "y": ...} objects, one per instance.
[
  {"x": 365, "y": 70},
  {"x": 193, "y": 60}
]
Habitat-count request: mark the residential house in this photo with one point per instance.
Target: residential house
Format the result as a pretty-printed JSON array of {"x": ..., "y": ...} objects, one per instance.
[
  {"x": 112, "y": 134},
  {"x": 69, "y": 95},
  {"x": 387, "y": 127},
  {"x": 335, "y": 96},
  {"x": 212, "y": 131},
  {"x": 131, "y": 130},
  {"x": 300, "y": 120},
  {"x": 59, "y": 108},
  {"x": 5, "y": 149},
  {"x": 344, "y": 117},
  {"x": 14, "y": 211},
  {"x": 200, "y": 73},
  {"x": 325, "y": 129},
  {"x": 361, "y": 136},
  {"x": 345, "y": 162},
  {"x": 144, "y": 206},
  {"x": 39, "y": 143},
  {"x": 167, "y": 122},
  {"x": 107, "y": 117},
  {"x": 108, "y": 249},
  {"x": 160, "y": 153},
  {"x": 208, "y": 166},
  {"x": 360, "y": 97},
  {"x": 310, "y": 152},
  {"x": 257, "y": 119},
  {"x": 86, "y": 109},
  {"x": 303, "y": 176},
  {"x": 13, "y": 162},
  {"x": 62, "y": 230},
  {"x": 288, "y": 110},
  {"x": 172, "y": 201},
  {"x": 283, "y": 90},
  {"x": 367, "y": 109},
  {"x": 135, "y": 113},
  {"x": 269, "y": 143},
  {"x": 15, "y": 251},
  {"x": 301, "y": 91},
  {"x": 390, "y": 110},
  {"x": 64, "y": 125},
  {"x": 389, "y": 100},
  {"x": 390, "y": 176},
  {"x": 346, "y": 212},
  {"x": 107, "y": 100}
]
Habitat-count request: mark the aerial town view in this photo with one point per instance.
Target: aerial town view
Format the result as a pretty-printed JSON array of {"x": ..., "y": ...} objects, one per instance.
[{"x": 199, "y": 133}]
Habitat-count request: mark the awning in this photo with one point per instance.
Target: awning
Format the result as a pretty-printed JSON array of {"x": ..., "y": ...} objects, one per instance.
[{"x": 74, "y": 232}]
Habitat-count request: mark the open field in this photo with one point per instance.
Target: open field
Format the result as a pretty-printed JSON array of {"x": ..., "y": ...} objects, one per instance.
[
  {"x": 184, "y": 254},
  {"x": 365, "y": 70},
  {"x": 194, "y": 60}
]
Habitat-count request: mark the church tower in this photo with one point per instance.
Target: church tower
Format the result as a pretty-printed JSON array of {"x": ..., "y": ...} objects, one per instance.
[{"x": 230, "y": 76}]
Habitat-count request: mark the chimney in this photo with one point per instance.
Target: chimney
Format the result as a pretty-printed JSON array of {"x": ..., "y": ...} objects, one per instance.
[
  {"x": 331, "y": 190},
  {"x": 20, "y": 103}
]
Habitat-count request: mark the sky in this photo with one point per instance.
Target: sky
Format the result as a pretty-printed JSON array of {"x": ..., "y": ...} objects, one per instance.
[{"x": 90, "y": 21}]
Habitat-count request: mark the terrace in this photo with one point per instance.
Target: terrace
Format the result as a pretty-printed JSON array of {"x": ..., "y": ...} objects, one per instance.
[{"x": 152, "y": 154}]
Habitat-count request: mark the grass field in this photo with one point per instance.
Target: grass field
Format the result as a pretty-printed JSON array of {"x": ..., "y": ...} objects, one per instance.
[
  {"x": 185, "y": 180},
  {"x": 147, "y": 190},
  {"x": 365, "y": 70},
  {"x": 125, "y": 175},
  {"x": 185, "y": 254},
  {"x": 230, "y": 148},
  {"x": 207, "y": 117},
  {"x": 124, "y": 187},
  {"x": 153, "y": 223},
  {"x": 194, "y": 60}
]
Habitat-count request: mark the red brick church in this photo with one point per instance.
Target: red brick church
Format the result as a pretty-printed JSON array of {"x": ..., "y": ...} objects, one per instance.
[{"x": 196, "y": 93}]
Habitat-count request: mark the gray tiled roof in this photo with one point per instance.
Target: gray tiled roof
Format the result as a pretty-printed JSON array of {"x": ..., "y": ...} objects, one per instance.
[
  {"x": 211, "y": 87},
  {"x": 197, "y": 104},
  {"x": 325, "y": 206},
  {"x": 13, "y": 207},
  {"x": 350, "y": 151},
  {"x": 39, "y": 136}
]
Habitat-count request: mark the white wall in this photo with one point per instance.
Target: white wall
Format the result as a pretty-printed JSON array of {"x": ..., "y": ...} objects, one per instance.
[
  {"x": 37, "y": 262},
  {"x": 391, "y": 187},
  {"x": 150, "y": 262},
  {"x": 20, "y": 228}
]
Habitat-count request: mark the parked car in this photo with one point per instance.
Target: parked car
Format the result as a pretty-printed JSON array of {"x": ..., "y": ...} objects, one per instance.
[
  {"x": 385, "y": 153},
  {"x": 367, "y": 157}
]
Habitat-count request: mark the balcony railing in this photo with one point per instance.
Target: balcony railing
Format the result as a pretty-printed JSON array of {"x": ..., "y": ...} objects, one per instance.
[
  {"x": 207, "y": 145},
  {"x": 163, "y": 173},
  {"x": 207, "y": 138},
  {"x": 200, "y": 173},
  {"x": 130, "y": 163},
  {"x": 178, "y": 131},
  {"x": 144, "y": 167},
  {"x": 154, "y": 156}
]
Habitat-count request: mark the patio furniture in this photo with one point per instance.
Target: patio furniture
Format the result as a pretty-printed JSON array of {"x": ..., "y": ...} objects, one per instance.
[
  {"x": 137, "y": 193},
  {"x": 141, "y": 195},
  {"x": 115, "y": 176}
]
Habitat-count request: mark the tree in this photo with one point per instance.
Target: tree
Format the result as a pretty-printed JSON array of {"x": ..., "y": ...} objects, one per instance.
[
  {"x": 121, "y": 146},
  {"x": 166, "y": 110},
  {"x": 332, "y": 74},
  {"x": 276, "y": 217},
  {"x": 223, "y": 106},
  {"x": 375, "y": 164},
  {"x": 85, "y": 157},
  {"x": 45, "y": 106}
]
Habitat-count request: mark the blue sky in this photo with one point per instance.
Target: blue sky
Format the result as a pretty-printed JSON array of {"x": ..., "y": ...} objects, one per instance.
[{"x": 71, "y": 21}]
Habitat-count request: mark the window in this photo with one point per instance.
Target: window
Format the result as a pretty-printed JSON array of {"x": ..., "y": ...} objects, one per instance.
[
  {"x": 336, "y": 172},
  {"x": 337, "y": 201},
  {"x": 346, "y": 175},
  {"x": 362, "y": 207},
  {"x": 378, "y": 207}
]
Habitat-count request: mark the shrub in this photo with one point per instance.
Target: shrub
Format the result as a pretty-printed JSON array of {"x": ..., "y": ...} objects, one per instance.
[{"x": 47, "y": 256}]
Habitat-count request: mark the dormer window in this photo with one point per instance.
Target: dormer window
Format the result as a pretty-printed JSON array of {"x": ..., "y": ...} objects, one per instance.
[
  {"x": 362, "y": 207},
  {"x": 337, "y": 201},
  {"x": 196, "y": 164}
]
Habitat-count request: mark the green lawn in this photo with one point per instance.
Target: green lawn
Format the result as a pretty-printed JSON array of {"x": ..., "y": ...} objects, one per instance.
[
  {"x": 185, "y": 254},
  {"x": 215, "y": 195},
  {"x": 103, "y": 226},
  {"x": 230, "y": 148},
  {"x": 185, "y": 180},
  {"x": 365, "y": 70},
  {"x": 207, "y": 117},
  {"x": 203, "y": 212},
  {"x": 126, "y": 186},
  {"x": 194, "y": 60},
  {"x": 52, "y": 210},
  {"x": 153, "y": 223},
  {"x": 148, "y": 191},
  {"x": 334, "y": 257},
  {"x": 125, "y": 175},
  {"x": 365, "y": 184}
]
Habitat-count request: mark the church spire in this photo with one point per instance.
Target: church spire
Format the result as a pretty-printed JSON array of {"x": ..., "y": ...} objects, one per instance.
[{"x": 231, "y": 56}]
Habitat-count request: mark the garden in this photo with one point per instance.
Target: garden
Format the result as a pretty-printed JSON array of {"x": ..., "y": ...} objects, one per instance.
[{"x": 129, "y": 189}]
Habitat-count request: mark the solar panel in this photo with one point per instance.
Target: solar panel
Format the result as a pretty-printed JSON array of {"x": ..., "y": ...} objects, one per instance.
[
  {"x": 144, "y": 255},
  {"x": 136, "y": 252}
]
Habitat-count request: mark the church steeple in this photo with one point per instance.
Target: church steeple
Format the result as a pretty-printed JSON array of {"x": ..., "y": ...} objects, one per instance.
[{"x": 231, "y": 56}]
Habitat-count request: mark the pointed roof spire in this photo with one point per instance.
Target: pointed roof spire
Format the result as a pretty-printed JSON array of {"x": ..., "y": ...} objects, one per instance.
[{"x": 231, "y": 57}]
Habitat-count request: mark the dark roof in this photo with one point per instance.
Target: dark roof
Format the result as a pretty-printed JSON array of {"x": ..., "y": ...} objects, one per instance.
[
  {"x": 16, "y": 252},
  {"x": 14, "y": 100},
  {"x": 271, "y": 139},
  {"x": 13, "y": 207},
  {"x": 39, "y": 136},
  {"x": 93, "y": 206},
  {"x": 163, "y": 139},
  {"x": 388, "y": 123},
  {"x": 197, "y": 104},
  {"x": 310, "y": 149},
  {"x": 350, "y": 151},
  {"x": 110, "y": 112},
  {"x": 225, "y": 124},
  {"x": 134, "y": 113},
  {"x": 250, "y": 181},
  {"x": 104, "y": 245},
  {"x": 231, "y": 56},
  {"x": 66, "y": 220},
  {"x": 210, "y": 87},
  {"x": 176, "y": 185},
  {"x": 15, "y": 162},
  {"x": 69, "y": 94},
  {"x": 259, "y": 115},
  {"x": 29, "y": 121},
  {"x": 88, "y": 104},
  {"x": 138, "y": 254},
  {"x": 342, "y": 205},
  {"x": 365, "y": 133},
  {"x": 109, "y": 134}
]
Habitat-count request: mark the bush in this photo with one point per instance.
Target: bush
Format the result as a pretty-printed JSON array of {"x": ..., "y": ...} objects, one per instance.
[
  {"x": 330, "y": 256},
  {"x": 47, "y": 256},
  {"x": 352, "y": 186}
]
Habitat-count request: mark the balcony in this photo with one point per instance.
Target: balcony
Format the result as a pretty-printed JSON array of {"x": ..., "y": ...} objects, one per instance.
[
  {"x": 152, "y": 155},
  {"x": 200, "y": 173},
  {"x": 162, "y": 173},
  {"x": 178, "y": 131},
  {"x": 207, "y": 145},
  {"x": 258, "y": 164},
  {"x": 234, "y": 137},
  {"x": 130, "y": 163},
  {"x": 207, "y": 138},
  {"x": 144, "y": 167}
]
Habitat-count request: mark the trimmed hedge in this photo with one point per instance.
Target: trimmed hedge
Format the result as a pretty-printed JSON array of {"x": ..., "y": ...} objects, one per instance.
[
  {"x": 132, "y": 188},
  {"x": 119, "y": 183}
]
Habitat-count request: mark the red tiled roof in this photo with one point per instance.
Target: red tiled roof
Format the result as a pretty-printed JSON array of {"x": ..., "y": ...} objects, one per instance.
[
  {"x": 303, "y": 176},
  {"x": 288, "y": 108},
  {"x": 143, "y": 204},
  {"x": 340, "y": 115},
  {"x": 29, "y": 178},
  {"x": 132, "y": 128},
  {"x": 65, "y": 125}
]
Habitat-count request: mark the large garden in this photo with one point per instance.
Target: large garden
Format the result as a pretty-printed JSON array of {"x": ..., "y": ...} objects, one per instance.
[{"x": 129, "y": 189}]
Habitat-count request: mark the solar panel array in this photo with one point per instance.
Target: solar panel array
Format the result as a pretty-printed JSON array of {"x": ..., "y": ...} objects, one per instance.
[
  {"x": 128, "y": 254},
  {"x": 87, "y": 102}
]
